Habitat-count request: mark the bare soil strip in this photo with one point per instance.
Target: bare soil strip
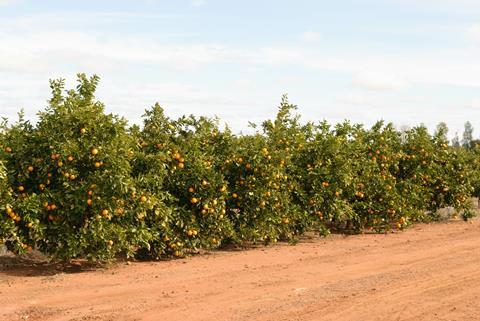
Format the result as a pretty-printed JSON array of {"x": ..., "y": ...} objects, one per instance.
[{"x": 429, "y": 272}]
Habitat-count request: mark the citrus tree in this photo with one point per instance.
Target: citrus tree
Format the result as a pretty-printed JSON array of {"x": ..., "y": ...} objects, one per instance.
[{"x": 73, "y": 192}]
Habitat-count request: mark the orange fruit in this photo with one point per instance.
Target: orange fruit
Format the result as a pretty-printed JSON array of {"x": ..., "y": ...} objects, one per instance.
[
  {"x": 94, "y": 151},
  {"x": 191, "y": 190},
  {"x": 21, "y": 188},
  {"x": 105, "y": 212},
  {"x": 30, "y": 168},
  {"x": 83, "y": 130},
  {"x": 89, "y": 202},
  {"x": 143, "y": 199}
]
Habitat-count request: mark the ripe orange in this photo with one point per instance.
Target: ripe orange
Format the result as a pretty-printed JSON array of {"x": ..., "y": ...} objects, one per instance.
[
  {"x": 89, "y": 202},
  {"x": 60, "y": 164},
  {"x": 8, "y": 149},
  {"x": 143, "y": 199},
  {"x": 191, "y": 190},
  {"x": 194, "y": 200},
  {"x": 83, "y": 130},
  {"x": 30, "y": 168},
  {"x": 94, "y": 151},
  {"x": 70, "y": 158},
  {"x": 21, "y": 188},
  {"x": 105, "y": 213},
  {"x": 97, "y": 164},
  {"x": 181, "y": 165}
]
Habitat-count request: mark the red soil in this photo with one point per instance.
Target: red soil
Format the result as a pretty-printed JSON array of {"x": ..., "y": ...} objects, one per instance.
[{"x": 429, "y": 272}]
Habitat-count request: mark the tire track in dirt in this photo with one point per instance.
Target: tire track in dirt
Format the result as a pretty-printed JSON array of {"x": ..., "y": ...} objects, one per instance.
[{"x": 430, "y": 272}]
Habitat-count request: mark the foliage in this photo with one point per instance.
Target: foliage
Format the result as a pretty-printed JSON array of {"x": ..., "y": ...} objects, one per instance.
[{"x": 81, "y": 183}]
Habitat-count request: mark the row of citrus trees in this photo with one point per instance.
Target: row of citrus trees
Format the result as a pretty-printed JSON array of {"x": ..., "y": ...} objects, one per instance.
[{"x": 81, "y": 183}]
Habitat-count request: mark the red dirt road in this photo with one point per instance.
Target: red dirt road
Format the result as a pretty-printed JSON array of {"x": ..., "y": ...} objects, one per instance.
[{"x": 430, "y": 272}]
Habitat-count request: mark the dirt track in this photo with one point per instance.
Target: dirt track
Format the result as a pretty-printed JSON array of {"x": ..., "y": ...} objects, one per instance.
[{"x": 430, "y": 272}]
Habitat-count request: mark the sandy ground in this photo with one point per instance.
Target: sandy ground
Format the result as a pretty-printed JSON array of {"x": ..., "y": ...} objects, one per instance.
[{"x": 429, "y": 272}]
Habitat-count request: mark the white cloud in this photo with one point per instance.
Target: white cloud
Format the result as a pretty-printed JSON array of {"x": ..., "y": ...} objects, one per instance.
[
  {"x": 8, "y": 2},
  {"x": 244, "y": 84},
  {"x": 476, "y": 103},
  {"x": 198, "y": 3},
  {"x": 473, "y": 33},
  {"x": 378, "y": 81},
  {"x": 310, "y": 36},
  {"x": 35, "y": 48}
]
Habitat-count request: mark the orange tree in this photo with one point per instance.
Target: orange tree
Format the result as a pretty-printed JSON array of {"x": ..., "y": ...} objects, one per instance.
[
  {"x": 378, "y": 198},
  {"x": 187, "y": 150},
  {"x": 9, "y": 217},
  {"x": 80, "y": 183},
  {"x": 435, "y": 175},
  {"x": 324, "y": 172},
  {"x": 348, "y": 176},
  {"x": 260, "y": 203},
  {"x": 73, "y": 192}
]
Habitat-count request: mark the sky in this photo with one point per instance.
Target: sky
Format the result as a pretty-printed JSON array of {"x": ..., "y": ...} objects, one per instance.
[{"x": 403, "y": 61}]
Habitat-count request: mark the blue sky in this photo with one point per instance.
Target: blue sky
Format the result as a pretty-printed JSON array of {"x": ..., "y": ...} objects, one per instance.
[{"x": 404, "y": 61}]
